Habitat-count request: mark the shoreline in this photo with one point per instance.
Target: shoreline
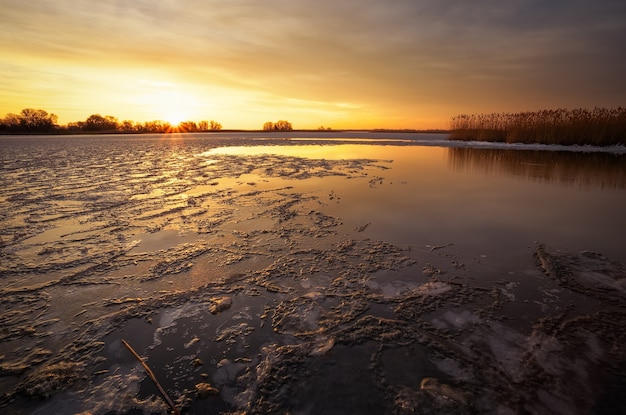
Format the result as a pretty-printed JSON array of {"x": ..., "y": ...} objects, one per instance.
[{"x": 309, "y": 137}]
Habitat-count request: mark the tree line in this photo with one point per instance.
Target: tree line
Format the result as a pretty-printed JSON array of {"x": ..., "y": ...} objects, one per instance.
[
  {"x": 599, "y": 126},
  {"x": 38, "y": 121}
]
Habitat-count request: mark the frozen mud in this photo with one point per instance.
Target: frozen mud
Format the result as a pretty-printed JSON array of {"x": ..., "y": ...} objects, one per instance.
[{"x": 244, "y": 295}]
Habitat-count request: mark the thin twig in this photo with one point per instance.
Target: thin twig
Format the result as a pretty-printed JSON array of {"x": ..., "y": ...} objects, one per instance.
[
  {"x": 436, "y": 247},
  {"x": 152, "y": 377}
]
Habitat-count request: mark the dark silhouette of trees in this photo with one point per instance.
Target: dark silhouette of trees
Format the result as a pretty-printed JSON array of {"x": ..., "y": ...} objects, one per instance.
[
  {"x": 29, "y": 120},
  {"x": 37, "y": 121},
  {"x": 156, "y": 126},
  {"x": 10, "y": 123},
  {"x": 283, "y": 126},
  {"x": 215, "y": 126},
  {"x": 127, "y": 126},
  {"x": 188, "y": 126},
  {"x": 209, "y": 126},
  {"x": 97, "y": 122},
  {"x": 280, "y": 125}
]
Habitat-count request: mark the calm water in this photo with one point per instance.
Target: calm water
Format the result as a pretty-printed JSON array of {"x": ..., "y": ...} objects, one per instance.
[
  {"x": 395, "y": 252},
  {"x": 481, "y": 199},
  {"x": 488, "y": 201}
]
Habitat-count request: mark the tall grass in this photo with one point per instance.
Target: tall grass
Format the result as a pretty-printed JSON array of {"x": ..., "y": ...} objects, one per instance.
[{"x": 599, "y": 127}]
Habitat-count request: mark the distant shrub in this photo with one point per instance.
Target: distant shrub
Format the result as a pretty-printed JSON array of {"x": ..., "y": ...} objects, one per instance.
[
  {"x": 281, "y": 125},
  {"x": 600, "y": 127}
]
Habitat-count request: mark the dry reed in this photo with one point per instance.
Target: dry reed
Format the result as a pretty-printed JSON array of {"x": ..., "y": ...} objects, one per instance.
[
  {"x": 599, "y": 127},
  {"x": 150, "y": 374}
]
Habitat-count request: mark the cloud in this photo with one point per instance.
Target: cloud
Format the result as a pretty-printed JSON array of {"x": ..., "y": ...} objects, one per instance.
[{"x": 367, "y": 52}]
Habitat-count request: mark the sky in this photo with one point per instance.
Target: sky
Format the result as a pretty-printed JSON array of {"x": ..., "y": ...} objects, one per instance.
[{"x": 335, "y": 63}]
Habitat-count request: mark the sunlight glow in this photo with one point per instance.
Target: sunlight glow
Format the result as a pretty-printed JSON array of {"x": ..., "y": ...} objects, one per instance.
[
  {"x": 174, "y": 118},
  {"x": 168, "y": 102}
]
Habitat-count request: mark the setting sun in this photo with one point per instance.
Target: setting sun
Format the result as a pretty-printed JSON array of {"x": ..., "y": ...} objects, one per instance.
[
  {"x": 168, "y": 102},
  {"x": 174, "y": 118}
]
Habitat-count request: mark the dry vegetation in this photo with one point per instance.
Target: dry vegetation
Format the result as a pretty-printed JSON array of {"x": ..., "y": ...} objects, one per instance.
[{"x": 600, "y": 127}]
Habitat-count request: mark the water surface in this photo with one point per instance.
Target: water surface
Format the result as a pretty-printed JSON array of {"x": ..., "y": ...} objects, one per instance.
[
  {"x": 485, "y": 200},
  {"x": 360, "y": 275}
]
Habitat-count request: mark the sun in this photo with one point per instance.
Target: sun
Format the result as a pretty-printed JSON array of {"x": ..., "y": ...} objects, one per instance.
[
  {"x": 168, "y": 102},
  {"x": 174, "y": 118}
]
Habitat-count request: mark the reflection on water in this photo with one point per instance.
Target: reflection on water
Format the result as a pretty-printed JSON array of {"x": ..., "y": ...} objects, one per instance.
[
  {"x": 309, "y": 151},
  {"x": 569, "y": 168},
  {"x": 359, "y": 263}
]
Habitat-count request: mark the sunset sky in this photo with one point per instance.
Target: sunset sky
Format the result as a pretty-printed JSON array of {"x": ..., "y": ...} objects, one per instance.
[{"x": 339, "y": 63}]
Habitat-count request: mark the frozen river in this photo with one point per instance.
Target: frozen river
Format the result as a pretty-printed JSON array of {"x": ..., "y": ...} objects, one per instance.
[{"x": 310, "y": 273}]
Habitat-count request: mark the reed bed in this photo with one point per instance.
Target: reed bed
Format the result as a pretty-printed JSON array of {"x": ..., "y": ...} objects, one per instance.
[{"x": 599, "y": 127}]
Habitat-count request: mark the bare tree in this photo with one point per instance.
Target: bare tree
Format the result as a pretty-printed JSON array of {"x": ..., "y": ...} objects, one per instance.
[
  {"x": 127, "y": 125},
  {"x": 283, "y": 125},
  {"x": 32, "y": 120},
  {"x": 97, "y": 122},
  {"x": 188, "y": 126},
  {"x": 215, "y": 126},
  {"x": 11, "y": 123},
  {"x": 280, "y": 125}
]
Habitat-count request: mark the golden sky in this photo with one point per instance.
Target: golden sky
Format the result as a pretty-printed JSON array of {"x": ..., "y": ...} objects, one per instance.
[{"x": 339, "y": 63}]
